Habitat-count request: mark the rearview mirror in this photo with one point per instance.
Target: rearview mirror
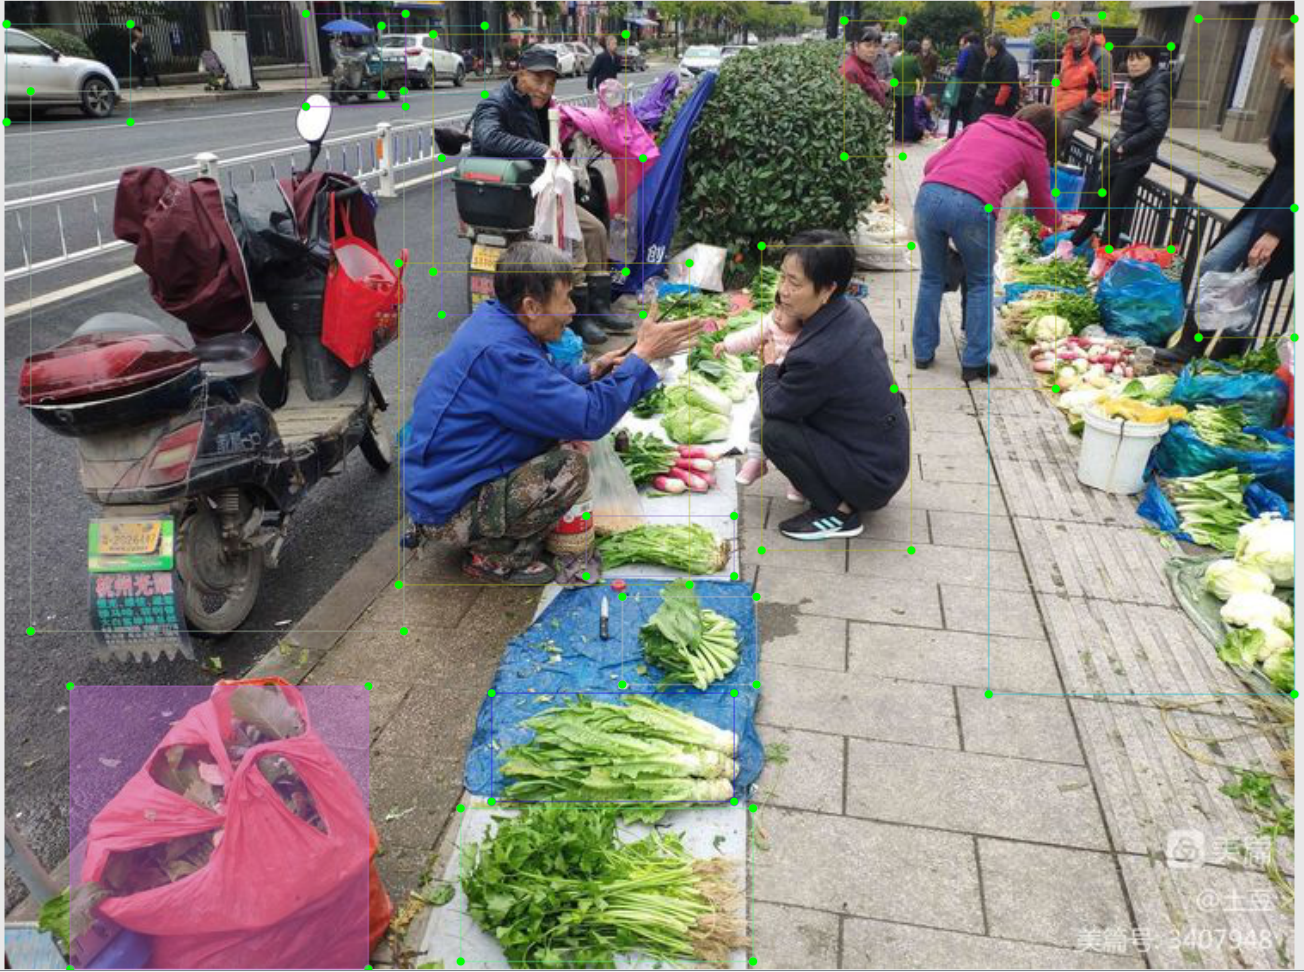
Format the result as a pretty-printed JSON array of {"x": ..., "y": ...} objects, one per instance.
[{"x": 314, "y": 118}]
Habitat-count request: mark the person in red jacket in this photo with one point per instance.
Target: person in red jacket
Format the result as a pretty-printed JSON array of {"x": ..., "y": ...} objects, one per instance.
[
  {"x": 858, "y": 68},
  {"x": 1085, "y": 80}
]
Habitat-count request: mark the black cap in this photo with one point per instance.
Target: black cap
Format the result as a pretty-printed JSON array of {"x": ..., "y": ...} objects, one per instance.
[
  {"x": 538, "y": 58},
  {"x": 1079, "y": 23}
]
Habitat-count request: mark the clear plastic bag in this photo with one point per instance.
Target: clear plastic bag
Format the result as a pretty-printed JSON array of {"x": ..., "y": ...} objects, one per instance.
[
  {"x": 1228, "y": 301},
  {"x": 615, "y": 497}
]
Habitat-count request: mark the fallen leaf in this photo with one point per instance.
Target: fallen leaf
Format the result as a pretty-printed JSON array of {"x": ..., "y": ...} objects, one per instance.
[{"x": 398, "y": 814}]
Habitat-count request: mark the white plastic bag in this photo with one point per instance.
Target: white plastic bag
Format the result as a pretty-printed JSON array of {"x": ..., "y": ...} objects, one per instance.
[
  {"x": 1227, "y": 301},
  {"x": 880, "y": 241},
  {"x": 616, "y": 505},
  {"x": 707, "y": 271},
  {"x": 555, "y": 187}
]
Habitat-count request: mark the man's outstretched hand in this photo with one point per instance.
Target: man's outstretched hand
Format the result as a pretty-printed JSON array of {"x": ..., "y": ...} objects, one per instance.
[{"x": 661, "y": 339}]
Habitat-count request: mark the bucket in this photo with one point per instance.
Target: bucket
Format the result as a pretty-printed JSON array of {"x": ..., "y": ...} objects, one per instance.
[
  {"x": 1115, "y": 452},
  {"x": 1069, "y": 180}
]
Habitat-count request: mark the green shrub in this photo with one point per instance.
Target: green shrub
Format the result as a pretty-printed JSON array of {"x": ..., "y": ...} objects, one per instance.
[
  {"x": 62, "y": 41},
  {"x": 763, "y": 161}
]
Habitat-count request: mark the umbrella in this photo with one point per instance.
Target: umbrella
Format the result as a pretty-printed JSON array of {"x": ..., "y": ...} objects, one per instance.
[{"x": 346, "y": 26}]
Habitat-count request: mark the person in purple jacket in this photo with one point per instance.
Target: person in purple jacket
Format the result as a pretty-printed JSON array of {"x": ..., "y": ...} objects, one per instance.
[
  {"x": 958, "y": 203},
  {"x": 485, "y": 467}
]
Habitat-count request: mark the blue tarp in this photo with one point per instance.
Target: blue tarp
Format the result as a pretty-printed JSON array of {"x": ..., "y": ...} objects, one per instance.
[
  {"x": 657, "y": 209},
  {"x": 528, "y": 681}
]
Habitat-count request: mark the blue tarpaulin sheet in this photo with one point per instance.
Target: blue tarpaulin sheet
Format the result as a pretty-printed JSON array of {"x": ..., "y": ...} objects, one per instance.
[{"x": 561, "y": 655}]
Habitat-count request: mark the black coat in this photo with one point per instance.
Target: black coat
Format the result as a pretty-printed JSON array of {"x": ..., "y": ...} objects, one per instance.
[
  {"x": 1269, "y": 207},
  {"x": 1144, "y": 122},
  {"x": 1000, "y": 70},
  {"x": 605, "y": 66},
  {"x": 972, "y": 75},
  {"x": 835, "y": 380},
  {"x": 506, "y": 126}
]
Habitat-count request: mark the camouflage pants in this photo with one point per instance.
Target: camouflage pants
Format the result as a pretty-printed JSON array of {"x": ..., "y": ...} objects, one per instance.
[{"x": 505, "y": 522}]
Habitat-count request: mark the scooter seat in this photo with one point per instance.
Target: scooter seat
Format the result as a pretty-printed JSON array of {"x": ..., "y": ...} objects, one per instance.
[{"x": 233, "y": 356}]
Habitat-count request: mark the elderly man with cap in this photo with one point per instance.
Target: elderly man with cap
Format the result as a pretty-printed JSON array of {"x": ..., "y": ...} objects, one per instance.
[
  {"x": 1085, "y": 80},
  {"x": 513, "y": 124}
]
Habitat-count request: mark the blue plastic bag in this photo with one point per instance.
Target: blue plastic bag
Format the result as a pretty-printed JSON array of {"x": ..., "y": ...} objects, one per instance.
[
  {"x": 1014, "y": 291},
  {"x": 1083, "y": 249},
  {"x": 567, "y": 350},
  {"x": 1156, "y": 508},
  {"x": 1137, "y": 300},
  {"x": 1183, "y": 453},
  {"x": 1261, "y": 396}
]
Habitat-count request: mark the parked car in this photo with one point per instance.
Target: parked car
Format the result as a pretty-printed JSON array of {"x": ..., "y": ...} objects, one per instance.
[
  {"x": 567, "y": 63},
  {"x": 631, "y": 58},
  {"x": 422, "y": 59},
  {"x": 585, "y": 54},
  {"x": 729, "y": 50},
  {"x": 698, "y": 59},
  {"x": 56, "y": 79}
]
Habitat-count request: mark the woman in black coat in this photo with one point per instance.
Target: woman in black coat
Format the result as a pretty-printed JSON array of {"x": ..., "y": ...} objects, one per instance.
[
  {"x": 1260, "y": 234},
  {"x": 999, "y": 92},
  {"x": 1132, "y": 148},
  {"x": 832, "y": 422}
]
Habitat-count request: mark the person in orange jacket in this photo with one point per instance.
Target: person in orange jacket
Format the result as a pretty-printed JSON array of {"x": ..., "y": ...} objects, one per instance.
[{"x": 1085, "y": 79}]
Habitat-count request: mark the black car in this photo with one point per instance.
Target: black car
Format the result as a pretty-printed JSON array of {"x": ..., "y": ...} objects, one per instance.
[{"x": 631, "y": 58}]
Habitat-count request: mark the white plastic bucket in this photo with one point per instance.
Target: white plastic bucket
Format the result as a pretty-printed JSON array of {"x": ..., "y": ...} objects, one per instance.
[{"x": 1115, "y": 452}]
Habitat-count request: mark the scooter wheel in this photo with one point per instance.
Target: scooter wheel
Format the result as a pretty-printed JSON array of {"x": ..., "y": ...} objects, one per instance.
[{"x": 220, "y": 589}]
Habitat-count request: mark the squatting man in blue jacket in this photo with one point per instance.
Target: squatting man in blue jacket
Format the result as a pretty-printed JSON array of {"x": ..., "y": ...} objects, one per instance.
[
  {"x": 488, "y": 467},
  {"x": 513, "y": 124}
]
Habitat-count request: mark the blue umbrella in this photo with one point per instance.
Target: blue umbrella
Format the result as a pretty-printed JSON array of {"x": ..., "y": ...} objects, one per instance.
[{"x": 346, "y": 26}]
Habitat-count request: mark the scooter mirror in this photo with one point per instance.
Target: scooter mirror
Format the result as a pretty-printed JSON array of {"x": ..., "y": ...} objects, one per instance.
[{"x": 313, "y": 119}]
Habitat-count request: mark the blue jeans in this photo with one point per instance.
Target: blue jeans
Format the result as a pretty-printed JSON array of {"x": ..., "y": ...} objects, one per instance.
[
  {"x": 942, "y": 214},
  {"x": 1230, "y": 253}
]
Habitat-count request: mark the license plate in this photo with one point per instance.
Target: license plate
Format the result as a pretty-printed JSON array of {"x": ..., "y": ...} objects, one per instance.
[
  {"x": 117, "y": 539},
  {"x": 485, "y": 257},
  {"x": 117, "y": 545}
]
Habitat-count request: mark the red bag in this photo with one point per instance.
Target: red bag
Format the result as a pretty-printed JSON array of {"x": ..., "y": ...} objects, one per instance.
[
  {"x": 277, "y": 893},
  {"x": 363, "y": 296}
]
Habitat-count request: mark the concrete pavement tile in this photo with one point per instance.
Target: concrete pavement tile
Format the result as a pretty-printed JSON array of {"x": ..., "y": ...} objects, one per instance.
[
  {"x": 972, "y": 530},
  {"x": 1048, "y": 489},
  {"x": 808, "y": 774},
  {"x": 850, "y": 705},
  {"x": 958, "y": 422},
  {"x": 1089, "y": 560},
  {"x": 984, "y": 609},
  {"x": 1052, "y": 895},
  {"x": 825, "y": 557},
  {"x": 793, "y": 938},
  {"x": 400, "y": 871},
  {"x": 993, "y": 795},
  {"x": 954, "y": 497},
  {"x": 964, "y": 441},
  {"x": 887, "y": 945},
  {"x": 953, "y": 658},
  {"x": 1018, "y": 725},
  {"x": 431, "y": 722},
  {"x": 417, "y": 794},
  {"x": 953, "y": 398},
  {"x": 871, "y": 870},
  {"x": 862, "y": 599},
  {"x": 801, "y": 640},
  {"x": 1015, "y": 435},
  {"x": 956, "y": 469},
  {"x": 1209, "y": 917},
  {"x": 1000, "y": 569},
  {"x": 375, "y": 655}
]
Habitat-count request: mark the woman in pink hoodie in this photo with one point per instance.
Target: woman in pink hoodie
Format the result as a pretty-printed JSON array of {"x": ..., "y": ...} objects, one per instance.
[{"x": 963, "y": 187}]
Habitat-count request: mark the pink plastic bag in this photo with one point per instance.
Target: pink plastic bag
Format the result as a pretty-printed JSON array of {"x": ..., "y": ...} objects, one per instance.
[
  {"x": 622, "y": 136},
  {"x": 277, "y": 893}
]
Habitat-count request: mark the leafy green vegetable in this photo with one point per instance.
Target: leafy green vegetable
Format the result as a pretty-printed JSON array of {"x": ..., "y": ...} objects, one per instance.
[
  {"x": 764, "y": 288},
  {"x": 691, "y": 644},
  {"x": 1265, "y": 358},
  {"x": 1268, "y": 543},
  {"x": 1221, "y": 426},
  {"x": 1057, "y": 273},
  {"x": 54, "y": 919},
  {"x": 1021, "y": 242},
  {"x": 1150, "y": 388},
  {"x": 558, "y": 889},
  {"x": 1241, "y": 647},
  {"x": 651, "y": 403},
  {"x": 1280, "y": 669},
  {"x": 647, "y": 456},
  {"x": 1212, "y": 506},
  {"x": 679, "y": 307},
  {"x": 691, "y": 548}
]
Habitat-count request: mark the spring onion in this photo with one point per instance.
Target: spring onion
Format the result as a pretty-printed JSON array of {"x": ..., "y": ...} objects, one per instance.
[{"x": 690, "y": 548}]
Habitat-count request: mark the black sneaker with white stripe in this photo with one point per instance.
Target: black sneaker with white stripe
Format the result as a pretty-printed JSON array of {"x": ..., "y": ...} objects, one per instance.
[{"x": 814, "y": 525}]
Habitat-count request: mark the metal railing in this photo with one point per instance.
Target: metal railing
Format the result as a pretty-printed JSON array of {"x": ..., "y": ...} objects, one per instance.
[
  {"x": 1166, "y": 214},
  {"x": 73, "y": 225}
]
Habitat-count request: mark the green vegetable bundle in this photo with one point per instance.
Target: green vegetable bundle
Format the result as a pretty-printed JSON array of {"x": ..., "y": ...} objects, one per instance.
[
  {"x": 1211, "y": 506},
  {"x": 679, "y": 307},
  {"x": 1264, "y": 359},
  {"x": 647, "y": 456},
  {"x": 696, "y": 411},
  {"x": 651, "y": 403},
  {"x": 1222, "y": 425},
  {"x": 1079, "y": 310},
  {"x": 1056, "y": 273},
  {"x": 1150, "y": 388},
  {"x": 1020, "y": 243},
  {"x": 692, "y": 548},
  {"x": 764, "y": 288},
  {"x": 639, "y": 753},
  {"x": 691, "y": 644},
  {"x": 558, "y": 889}
]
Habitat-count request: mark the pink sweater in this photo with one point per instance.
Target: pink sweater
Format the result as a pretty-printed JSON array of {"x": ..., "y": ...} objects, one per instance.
[
  {"x": 991, "y": 157},
  {"x": 750, "y": 339}
]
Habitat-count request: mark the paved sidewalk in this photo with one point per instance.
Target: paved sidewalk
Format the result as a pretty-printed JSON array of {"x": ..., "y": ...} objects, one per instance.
[{"x": 197, "y": 94}]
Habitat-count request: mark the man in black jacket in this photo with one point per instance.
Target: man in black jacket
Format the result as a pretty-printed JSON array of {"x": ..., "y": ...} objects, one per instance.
[
  {"x": 513, "y": 124},
  {"x": 605, "y": 65},
  {"x": 999, "y": 93}
]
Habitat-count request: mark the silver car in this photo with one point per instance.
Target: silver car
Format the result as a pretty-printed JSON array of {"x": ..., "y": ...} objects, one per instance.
[{"x": 36, "y": 73}]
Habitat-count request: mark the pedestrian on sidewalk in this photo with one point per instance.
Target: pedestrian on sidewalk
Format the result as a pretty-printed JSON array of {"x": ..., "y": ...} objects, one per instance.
[
  {"x": 484, "y": 467},
  {"x": 1086, "y": 81},
  {"x": 999, "y": 92},
  {"x": 905, "y": 68},
  {"x": 605, "y": 66},
  {"x": 929, "y": 59},
  {"x": 959, "y": 202},
  {"x": 1132, "y": 148},
  {"x": 1261, "y": 232},
  {"x": 142, "y": 51},
  {"x": 969, "y": 69},
  {"x": 858, "y": 66},
  {"x": 834, "y": 424}
]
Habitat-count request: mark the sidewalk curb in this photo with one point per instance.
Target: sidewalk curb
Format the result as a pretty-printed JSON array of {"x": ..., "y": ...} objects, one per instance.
[{"x": 193, "y": 99}]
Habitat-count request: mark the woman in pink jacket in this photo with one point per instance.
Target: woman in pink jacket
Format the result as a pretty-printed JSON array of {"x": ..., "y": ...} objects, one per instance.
[{"x": 958, "y": 203}]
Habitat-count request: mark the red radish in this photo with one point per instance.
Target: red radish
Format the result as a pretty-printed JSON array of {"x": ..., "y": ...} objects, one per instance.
[
  {"x": 709, "y": 477},
  {"x": 694, "y": 482},
  {"x": 1068, "y": 355},
  {"x": 668, "y": 485},
  {"x": 694, "y": 465},
  {"x": 1044, "y": 365},
  {"x": 698, "y": 452}
]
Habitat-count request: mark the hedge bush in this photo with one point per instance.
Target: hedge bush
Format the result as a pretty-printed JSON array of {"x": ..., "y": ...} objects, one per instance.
[
  {"x": 62, "y": 41},
  {"x": 764, "y": 159}
]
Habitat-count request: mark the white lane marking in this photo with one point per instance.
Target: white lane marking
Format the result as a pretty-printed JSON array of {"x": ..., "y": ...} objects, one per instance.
[{"x": 67, "y": 293}]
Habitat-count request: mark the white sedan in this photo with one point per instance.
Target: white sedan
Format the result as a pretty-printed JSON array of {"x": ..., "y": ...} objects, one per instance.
[
  {"x": 43, "y": 77},
  {"x": 421, "y": 61},
  {"x": 568, "y": 63}
]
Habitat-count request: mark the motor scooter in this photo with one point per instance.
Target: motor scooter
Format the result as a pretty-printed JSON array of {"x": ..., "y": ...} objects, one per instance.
[{"x": 200, "y": 452}]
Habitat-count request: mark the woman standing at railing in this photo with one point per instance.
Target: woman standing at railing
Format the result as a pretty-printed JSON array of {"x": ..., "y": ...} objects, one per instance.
[{"x": 1259, "y": 235}]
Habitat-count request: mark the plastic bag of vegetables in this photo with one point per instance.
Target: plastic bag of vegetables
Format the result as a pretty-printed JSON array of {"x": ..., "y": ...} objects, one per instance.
[
  {"x": 1137, "y": 300},
  {"x": 1184, "y": 452}
]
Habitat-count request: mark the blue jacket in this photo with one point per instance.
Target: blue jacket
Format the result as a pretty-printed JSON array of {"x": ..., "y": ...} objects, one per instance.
[
  {"x": 493, "y": 400},
  {"x": 506, "y": 126}
]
